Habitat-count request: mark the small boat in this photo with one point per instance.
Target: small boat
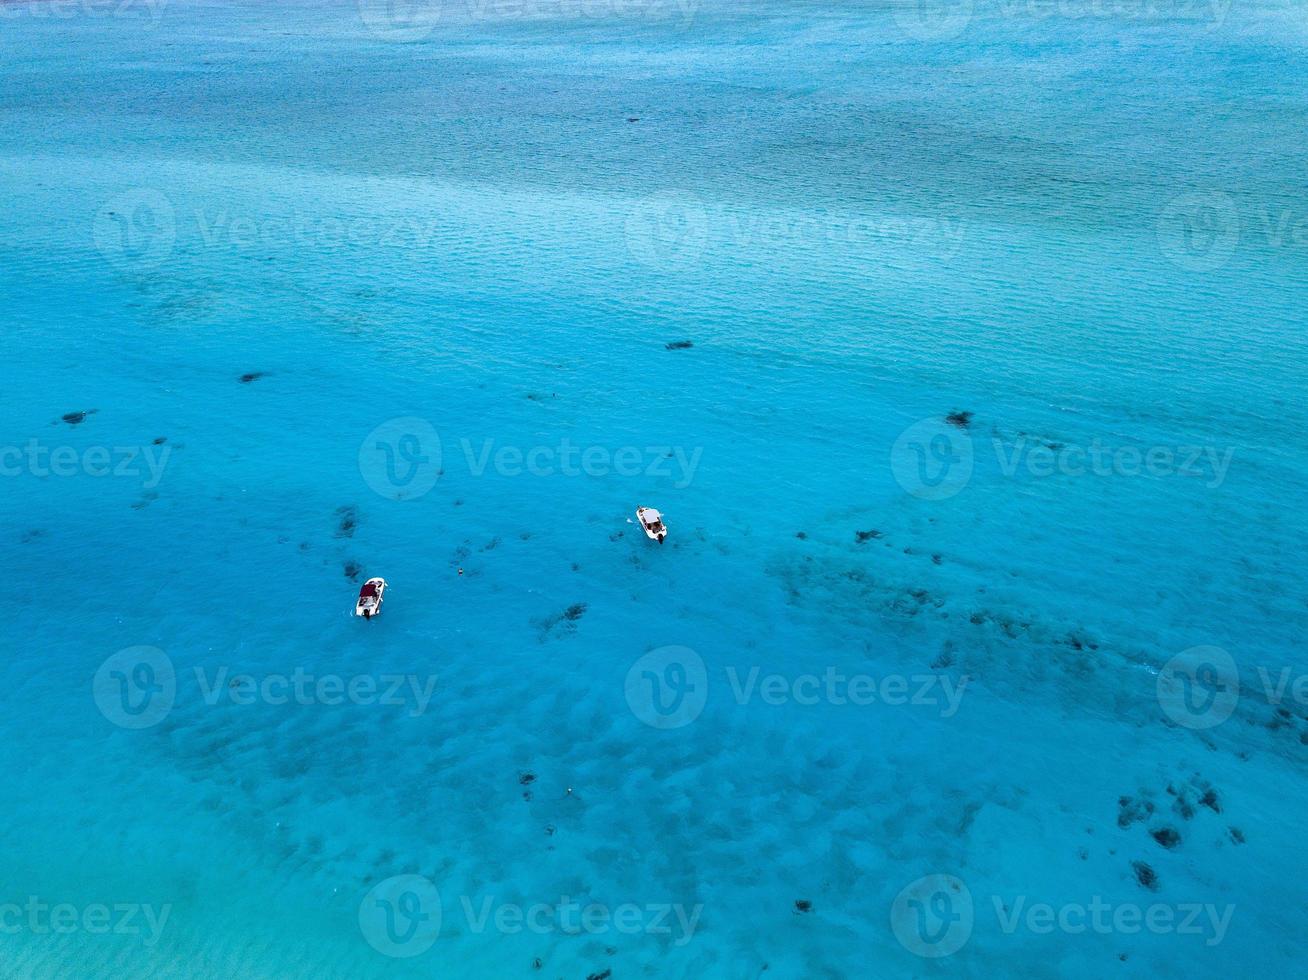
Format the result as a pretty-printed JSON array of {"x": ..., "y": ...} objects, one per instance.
[
  {"x": 370, "y": 598},
  {"x": 652, "y": 521}
]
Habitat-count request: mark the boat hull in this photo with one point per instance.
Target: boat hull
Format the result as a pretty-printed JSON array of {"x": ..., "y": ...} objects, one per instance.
[
  {"x": 369, "y": 603},
  {"x": 654, "y": 535}
]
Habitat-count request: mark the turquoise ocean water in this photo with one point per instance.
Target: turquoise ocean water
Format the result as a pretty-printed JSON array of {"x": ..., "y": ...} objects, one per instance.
[{"x": 384, "y": 289}]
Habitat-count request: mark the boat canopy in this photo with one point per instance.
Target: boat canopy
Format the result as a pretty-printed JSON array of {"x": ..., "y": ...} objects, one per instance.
[
  {"x": 367, "y": 590},
  {"x": 651, "y": 516}
]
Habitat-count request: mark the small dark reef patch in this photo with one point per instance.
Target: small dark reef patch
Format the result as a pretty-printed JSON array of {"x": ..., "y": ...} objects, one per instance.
[
  {"x": 1166, "y": 837},
  {"x": 347, "y": 519},
  {"x": 1130, "y": 810},
  {"x": 566, "y": 620},
  {"x": 1145, "y": 875}
]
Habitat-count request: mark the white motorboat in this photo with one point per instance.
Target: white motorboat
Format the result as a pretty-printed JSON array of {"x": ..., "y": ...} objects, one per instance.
[
  {"x": 652, "y": 521},
  {"x": 370, "y": 598}
]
